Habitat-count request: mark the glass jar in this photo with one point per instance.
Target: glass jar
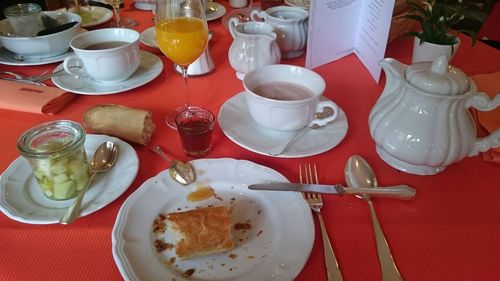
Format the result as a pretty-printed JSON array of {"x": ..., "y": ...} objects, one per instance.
[
  {"x": 25, "y": 18},
  {"x": 57, "y": 155}
]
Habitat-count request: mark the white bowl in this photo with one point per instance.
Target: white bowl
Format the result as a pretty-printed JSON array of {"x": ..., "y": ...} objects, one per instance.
[{"x": 41, "y": 46}]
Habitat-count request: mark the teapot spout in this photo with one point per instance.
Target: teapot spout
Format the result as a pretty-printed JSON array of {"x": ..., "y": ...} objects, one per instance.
[{"x": 394, "y": 72}]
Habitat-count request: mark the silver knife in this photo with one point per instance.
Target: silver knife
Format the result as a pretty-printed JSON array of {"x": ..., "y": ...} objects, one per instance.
[{"x": 397, "y": 191}]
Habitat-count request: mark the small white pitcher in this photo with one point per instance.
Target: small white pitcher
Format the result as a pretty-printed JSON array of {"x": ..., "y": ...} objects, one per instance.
[
  {"x": 290, "y": 23},
  {"x": 254, "y": 46}
]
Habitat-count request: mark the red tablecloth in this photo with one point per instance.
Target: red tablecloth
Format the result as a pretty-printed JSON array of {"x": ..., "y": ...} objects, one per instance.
[{"x": 451, "y": 231}]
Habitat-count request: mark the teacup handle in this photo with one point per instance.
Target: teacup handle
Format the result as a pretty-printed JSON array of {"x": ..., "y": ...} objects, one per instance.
[
  {"x": 320, "y": 107},
  {"x": 260, "y": 14},
  {"x": 71, "y": 63},
  {"x": 231, "y": 24}
]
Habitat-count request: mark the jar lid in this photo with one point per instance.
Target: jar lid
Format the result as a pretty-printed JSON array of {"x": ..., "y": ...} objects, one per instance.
[
  {"x": 438, "y": 77},
  {"x": 53, "y": 139}
]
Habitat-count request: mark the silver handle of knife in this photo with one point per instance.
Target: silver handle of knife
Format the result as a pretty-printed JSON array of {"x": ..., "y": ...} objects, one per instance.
[{"x": 396, "y": 191}]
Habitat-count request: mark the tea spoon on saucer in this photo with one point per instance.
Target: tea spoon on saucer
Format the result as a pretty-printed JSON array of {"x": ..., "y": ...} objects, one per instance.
[
  {"x": 359, "y": 173},
  {"x": 104, "y": 158},
  {"x": 181, "y": 172},
  {"x": 280, "y": 148}
]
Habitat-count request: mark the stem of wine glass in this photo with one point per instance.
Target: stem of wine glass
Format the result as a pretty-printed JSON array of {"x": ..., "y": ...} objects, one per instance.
[
  {"x": 116, "y": 6},
  {"x": 185, "y": 77}
]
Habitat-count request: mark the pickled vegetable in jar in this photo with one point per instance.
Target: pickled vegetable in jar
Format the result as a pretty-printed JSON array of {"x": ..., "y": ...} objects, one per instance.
[{"x": 57, "y": 155}]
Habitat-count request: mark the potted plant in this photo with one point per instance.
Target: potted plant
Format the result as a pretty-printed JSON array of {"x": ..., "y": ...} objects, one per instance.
[{"x": 437, "y": 19}]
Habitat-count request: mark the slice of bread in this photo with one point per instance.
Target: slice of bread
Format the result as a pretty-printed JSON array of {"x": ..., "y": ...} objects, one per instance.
[{"x": 201, "y": 232}]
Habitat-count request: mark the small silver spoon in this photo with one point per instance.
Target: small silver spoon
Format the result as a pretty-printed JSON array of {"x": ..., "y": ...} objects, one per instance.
[
  {"x": 104, "y": 158},
  {"x": 181, "y": 172},
  {"x": 359, "y": 173}
]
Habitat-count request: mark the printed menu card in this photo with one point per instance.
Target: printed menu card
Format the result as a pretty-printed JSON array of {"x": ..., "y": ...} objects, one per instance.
[{"x": 338, "y": 28}]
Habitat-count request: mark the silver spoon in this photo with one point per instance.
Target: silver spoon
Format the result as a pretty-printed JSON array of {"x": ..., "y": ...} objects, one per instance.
[
  {"x": 181, "y": 172},
  {"x": 104, "y": 158},
  {"x": 359, "y": 173}
]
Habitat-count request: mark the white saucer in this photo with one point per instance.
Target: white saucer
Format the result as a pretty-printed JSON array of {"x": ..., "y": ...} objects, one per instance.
[
  {"x": 150, "y": 67},
  {"x": 220, "y": 10},
  {"x": 22, "y": 200},
  {"x": 297, "y": 3},
  {"x": 100, "y": 15},
  {"x": 148, "y": 37},
  {"x": 237, "y": 124},
  {"x": 9, "y": 58}
]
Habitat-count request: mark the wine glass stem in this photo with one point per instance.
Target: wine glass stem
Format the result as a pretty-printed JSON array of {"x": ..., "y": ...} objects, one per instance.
[
  {"x": 185, "y": 77},
  {"x": 117, "y": 13}
]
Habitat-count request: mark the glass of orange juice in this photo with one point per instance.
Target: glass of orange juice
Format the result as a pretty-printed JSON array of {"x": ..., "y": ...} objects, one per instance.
[{"x": 182, "y": 35}]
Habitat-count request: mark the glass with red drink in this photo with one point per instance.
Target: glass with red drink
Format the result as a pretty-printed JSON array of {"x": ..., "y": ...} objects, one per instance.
[{"x": 195, "y": 126}]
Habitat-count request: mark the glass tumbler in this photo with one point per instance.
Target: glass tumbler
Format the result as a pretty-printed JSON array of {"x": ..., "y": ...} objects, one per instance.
[
  {"x": 25, "y": 19},
  {"x": 57, "y": 156},
  {"x": 195, "y": 126}
]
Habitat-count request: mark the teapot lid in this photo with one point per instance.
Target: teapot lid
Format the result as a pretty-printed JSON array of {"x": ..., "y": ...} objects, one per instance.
[{"x": 438, "y": 77}]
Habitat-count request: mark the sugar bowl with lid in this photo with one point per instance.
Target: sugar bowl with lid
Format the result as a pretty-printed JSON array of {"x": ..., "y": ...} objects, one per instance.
[{"x": 421, "y": 122}]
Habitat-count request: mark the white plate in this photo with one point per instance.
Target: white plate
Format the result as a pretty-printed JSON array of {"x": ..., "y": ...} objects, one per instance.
[
  {"x": 297, "y": 3},
  {"x": 220, "y": 10},
  {"x": 100, "y": 15},
  {"x": 237, "y": 124},
  {"x": 9, "y": 58},
  {"x": 22, "y": 200},
  {"x": 148, "y": 37},
  {"x": 149, "y": 68},
  {"x": 279, "y": 252}
]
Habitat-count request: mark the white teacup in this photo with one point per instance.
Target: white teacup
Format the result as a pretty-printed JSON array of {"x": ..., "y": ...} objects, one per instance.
[
  {"x": 287, "y": 97},
  {"x": 290, "y": 24},
  {"x": 107, "y": 55}
]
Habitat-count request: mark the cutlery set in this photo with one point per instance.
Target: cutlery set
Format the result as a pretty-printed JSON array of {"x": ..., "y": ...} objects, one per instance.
[{"x": 362, "y": 183}]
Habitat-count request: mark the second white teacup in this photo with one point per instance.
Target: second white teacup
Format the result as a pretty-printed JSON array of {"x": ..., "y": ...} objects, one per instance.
[
  {"x": 107, "y": 55},
  {"x": 287, "y": 97}
]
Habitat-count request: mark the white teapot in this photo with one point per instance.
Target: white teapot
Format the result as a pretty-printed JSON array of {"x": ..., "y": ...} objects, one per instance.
[{"x": 421, "y": 122}]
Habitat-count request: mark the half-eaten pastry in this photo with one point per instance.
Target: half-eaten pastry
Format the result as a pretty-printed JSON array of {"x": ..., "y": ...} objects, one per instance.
[{"x": 201, "y": 232}]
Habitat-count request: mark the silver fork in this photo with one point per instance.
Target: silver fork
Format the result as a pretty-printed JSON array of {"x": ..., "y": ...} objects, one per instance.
[{"x": 316, "y": 203}]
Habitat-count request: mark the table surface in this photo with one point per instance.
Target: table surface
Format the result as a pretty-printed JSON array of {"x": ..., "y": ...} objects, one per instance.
[{"x": 449, "y": 232}]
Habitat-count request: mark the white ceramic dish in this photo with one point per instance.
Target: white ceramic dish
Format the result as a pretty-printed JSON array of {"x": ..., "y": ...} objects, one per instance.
[
  {"x": 297, "y": 3},
  {"x": 237, "y": 124},
  {"x": 9, "y": 58},
  {"x": 148, "y": 37},
  {"x": 279, "y": 252},
  {"x": 22, "y": 200},
  {"x": 151, "y": 66},
  {"x": 219, "y": 11},
  {"x": 100, "y": 15},
  {"x": 42, "y": 46}
]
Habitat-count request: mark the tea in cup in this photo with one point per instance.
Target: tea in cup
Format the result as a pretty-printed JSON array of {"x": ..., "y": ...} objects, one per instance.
[
  {"x": 108, "y": 55},
  {"x": 290, "y": 24},
  {"x": 287, "y": 97}
]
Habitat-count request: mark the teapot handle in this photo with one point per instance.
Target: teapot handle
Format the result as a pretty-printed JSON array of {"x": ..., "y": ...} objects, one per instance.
[
  {"x": 231, "y": 24},
  {"x": 482, "y": 102}
]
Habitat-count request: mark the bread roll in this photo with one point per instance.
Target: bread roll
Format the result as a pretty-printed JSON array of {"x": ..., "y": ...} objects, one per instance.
[{"x": 130, "y": 124}]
